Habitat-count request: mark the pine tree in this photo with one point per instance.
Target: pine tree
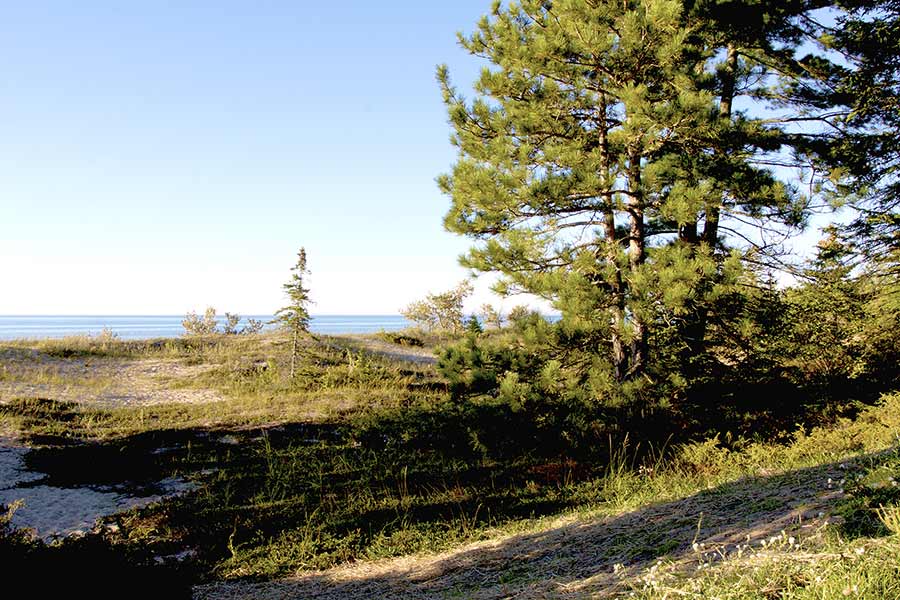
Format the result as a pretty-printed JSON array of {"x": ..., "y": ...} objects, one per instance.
[
  {"x": 295, "y": 316},
  {"x": 602, "y": 166},
  {"x": 839, "y": 99},
  {"x": 844, "y": 92},
  {"x": 827, "y": 312},
  {"x": 863, "y": 149}
]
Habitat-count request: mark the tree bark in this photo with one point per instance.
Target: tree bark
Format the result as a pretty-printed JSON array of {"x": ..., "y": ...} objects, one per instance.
[
  {"x": 293, "y": 352},
  {"x": 636, "y": 257},
  {"x": 726, "y": 100},
  {"x": 617, "y": 309}
]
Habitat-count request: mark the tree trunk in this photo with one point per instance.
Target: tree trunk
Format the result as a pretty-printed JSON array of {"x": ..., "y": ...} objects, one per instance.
[
  {"x": 688, "y": 233},
  {"x": 636, "y": 257},
  {"x": 611, "y": 252},
  {"x": 694, "y": 333},
  {"x": 726, "y": 100},
  {"x": 293, "y": 353},
  {"x": 617, "y": 320}
]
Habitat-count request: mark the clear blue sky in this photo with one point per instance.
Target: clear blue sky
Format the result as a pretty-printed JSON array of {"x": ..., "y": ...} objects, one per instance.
[{"x": 158, "y": 157}]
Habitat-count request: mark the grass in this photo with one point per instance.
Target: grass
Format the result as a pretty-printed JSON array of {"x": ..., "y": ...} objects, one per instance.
[
  {"x": 854, "y": 555},
  {"x": 248, "y": 372},
  {"x": 855, "y": 558},
  {"x": 327, "y": 467},
  {"x": 360, "y": 458}
]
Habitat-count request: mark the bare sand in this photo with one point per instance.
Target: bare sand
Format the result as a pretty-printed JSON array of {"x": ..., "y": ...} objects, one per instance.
[
  {"x": 52, "y": 512},
  {"x": 98, "y": 381}
]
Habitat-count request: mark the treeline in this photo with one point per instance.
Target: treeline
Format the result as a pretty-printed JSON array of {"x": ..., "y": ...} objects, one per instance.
[{"x": 641, "y": 166}]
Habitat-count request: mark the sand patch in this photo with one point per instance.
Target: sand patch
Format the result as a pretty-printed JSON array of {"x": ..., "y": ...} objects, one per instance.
[
  {"x": 53, "y": 512},
  {"x": 100, "y": 382},
  {"x": 392, "y": 351}
]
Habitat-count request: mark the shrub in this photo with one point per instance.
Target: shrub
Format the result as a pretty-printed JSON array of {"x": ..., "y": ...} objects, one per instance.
[
  {"x": 401, "y": 339},
  {"x": 197, "y": 325},
  {"x": 252, "y": 326},
  {"x": 231, "y": 322},
  {"x": 491, "y": 317},
  {"x": 440, "y": 312},
  {"x": 208, "y": 324}
]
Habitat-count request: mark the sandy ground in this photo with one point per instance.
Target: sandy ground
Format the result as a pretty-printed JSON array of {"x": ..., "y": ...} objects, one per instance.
[
  {"x": 100, "y": 382},
  {"x": 54, "y": 512}
]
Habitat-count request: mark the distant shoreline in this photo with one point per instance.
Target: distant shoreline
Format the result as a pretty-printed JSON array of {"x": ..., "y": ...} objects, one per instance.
[{"x": 136, "y": 327}]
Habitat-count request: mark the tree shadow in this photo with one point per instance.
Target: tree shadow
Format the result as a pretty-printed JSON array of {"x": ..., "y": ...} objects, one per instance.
[
  {"x": 146, "y": 456},
  {"x": 580, "y": 558},
  {"x": 587, "y": 557}
]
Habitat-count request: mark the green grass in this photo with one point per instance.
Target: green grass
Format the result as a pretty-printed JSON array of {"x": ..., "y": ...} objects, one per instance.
[
  {"x": 856, "y": 558},
  {"x": 359, "y": 458}
]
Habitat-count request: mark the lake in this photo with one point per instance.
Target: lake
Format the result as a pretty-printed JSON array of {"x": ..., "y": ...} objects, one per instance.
[{"x": 155, "y": 326}]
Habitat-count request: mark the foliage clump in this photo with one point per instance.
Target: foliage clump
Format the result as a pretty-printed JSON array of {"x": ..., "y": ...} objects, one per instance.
[
  {"x": 208, "y": 324},
  {"x": 491, "y": 317},
  {"x": 401, "y": 339},
  {"x": 196, "y": 325},
  {"x": 442, "y": 311}
]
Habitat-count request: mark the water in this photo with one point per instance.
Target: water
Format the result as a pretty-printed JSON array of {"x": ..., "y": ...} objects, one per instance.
[{"x": 156, "y": 326}]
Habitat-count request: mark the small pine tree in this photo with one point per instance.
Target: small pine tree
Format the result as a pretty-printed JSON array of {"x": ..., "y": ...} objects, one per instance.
[
  {"x": 473, "y": 326},
  {"x": 295, "y": 316}
]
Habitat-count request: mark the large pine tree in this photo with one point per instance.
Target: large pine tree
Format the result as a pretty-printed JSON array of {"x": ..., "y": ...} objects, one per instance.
[{"x": 603, "y": 165}]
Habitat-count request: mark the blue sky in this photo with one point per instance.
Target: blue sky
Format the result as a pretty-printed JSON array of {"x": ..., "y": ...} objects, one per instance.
[{"x": 157, "y": 157}]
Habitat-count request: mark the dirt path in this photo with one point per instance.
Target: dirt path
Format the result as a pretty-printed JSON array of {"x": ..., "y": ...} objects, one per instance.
[{"x": 576, "y": 558}]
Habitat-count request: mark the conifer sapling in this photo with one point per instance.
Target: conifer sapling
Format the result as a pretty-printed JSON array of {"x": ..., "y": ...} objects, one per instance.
[{"x": 295, "y": 316}]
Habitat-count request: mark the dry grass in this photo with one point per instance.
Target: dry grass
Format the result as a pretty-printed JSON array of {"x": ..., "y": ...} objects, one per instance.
[
  {"x": 100, "y": 381},
  {"x": 121, "y": 387}
]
